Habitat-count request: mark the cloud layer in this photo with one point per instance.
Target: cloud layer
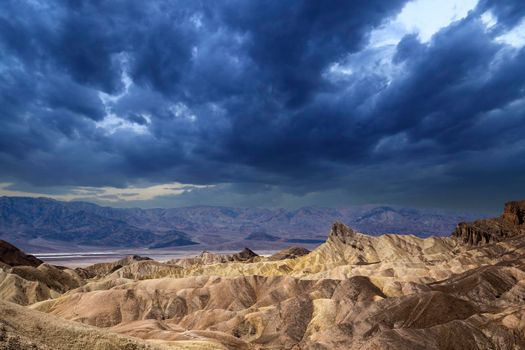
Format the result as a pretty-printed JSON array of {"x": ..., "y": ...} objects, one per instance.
[{"x": 297, "y": 97}]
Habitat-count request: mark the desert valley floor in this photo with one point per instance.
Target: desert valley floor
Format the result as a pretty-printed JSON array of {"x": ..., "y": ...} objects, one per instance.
[{"x": 355, "y": 291}]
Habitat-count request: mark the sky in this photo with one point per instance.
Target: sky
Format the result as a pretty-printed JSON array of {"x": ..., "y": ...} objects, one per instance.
[{"x": 264, "y": 103}]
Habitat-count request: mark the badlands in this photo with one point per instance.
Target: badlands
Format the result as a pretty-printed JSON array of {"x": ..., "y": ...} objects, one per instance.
[{"x": 355, "y": 291}]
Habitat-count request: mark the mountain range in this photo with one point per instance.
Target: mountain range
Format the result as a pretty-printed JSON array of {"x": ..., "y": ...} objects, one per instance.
[{"x": 43, "y": 224}]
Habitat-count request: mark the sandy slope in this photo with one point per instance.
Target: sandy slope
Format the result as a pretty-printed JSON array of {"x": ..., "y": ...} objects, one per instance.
[
  {"x": 22, "y": 328},
  {"x": 353, "y": 292}
]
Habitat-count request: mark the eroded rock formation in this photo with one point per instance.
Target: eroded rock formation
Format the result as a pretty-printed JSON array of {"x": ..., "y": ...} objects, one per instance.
[
  {"x": 510, "y": 223},
  {"x": 353, "y": 292}
]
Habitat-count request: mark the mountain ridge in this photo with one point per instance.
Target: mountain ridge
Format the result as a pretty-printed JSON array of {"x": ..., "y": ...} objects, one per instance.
[{"x": 44, "y": 223}]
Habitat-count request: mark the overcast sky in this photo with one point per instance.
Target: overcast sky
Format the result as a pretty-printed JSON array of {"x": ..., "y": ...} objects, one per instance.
[{"x": 264, "y": 103}]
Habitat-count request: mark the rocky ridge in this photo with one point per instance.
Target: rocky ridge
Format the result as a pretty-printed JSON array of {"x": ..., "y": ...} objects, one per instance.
[
  {"x": 209, "y": 258},
  {"x": 510, "y": 223},
  {"x": 11, "y": 255}
]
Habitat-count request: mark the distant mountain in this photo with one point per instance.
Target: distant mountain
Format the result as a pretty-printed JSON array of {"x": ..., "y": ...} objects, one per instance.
[
  {"x": 46, "y": 224},
  {"x": 173, "y": 238},
  {"x": 261, "y": 236}
]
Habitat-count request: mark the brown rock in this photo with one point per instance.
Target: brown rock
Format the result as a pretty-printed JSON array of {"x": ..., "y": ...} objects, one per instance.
[
  {"x": 514, "y": 212},
  {"x": 208, "y": 258},
  {"x": 341, "y": 232},
  {"x": 289, "y": 253},
  {"x": 11, "y": 255},
  {"x": 510, "y": 223},
  {"x": 103, "y": 269}
]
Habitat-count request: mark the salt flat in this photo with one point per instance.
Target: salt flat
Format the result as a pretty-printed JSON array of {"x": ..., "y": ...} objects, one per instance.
[{"x": 83, "y": 259}]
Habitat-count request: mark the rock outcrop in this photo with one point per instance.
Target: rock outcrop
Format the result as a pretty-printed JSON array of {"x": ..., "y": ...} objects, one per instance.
[
  {"x": 103, "y": 269},
  {"x": 289, "y": 253},
  {"x": 209, "y": 258},
  {"x": 510, "y": 223},
  {"x": 514, "y": 212},
  {"x": 12, "y": 256},
  {"x": 24, "y": 279},
  {"x": 341, "y": 233}
]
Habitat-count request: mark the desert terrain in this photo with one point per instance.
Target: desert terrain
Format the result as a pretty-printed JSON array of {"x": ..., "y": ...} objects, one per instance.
[{"x": 354, "y": 291}]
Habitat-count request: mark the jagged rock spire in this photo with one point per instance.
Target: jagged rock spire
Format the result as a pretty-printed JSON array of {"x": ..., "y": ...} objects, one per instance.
[{"x": 341, "y": 232}]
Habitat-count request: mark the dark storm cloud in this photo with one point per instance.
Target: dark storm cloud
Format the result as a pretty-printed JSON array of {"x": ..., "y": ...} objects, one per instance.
[
  {"x": 450, "y": 83},
  {"x": 249, "y": 92},
  {"x": 292, "y": 43}
]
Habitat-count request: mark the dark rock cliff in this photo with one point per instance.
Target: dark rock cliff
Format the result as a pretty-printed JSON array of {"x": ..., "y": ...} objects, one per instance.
[
  {"x": 510, "y": 223},
  {"x": 12, "y": 256}
]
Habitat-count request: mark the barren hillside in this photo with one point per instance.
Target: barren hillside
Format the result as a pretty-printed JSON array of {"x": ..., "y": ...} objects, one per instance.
[{"x": 353, "y": 292}]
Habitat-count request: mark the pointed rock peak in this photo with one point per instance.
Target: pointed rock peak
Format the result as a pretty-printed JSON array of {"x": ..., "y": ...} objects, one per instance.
[
  {"x": 248, "y": 253},
  {"x": 341, "y": 232}
]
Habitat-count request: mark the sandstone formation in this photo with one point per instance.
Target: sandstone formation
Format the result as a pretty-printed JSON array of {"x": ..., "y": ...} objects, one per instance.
[
  {"x": 209, "y": 258},
  {"x": 103, "y": 269},
  {"x": 353, "y": 292},
  {"x": 510, "y": 223},
  {"x": 34, "y": 281},
  {"x": 289, "y": 253},
  {"x": 24, "y": 279}
]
